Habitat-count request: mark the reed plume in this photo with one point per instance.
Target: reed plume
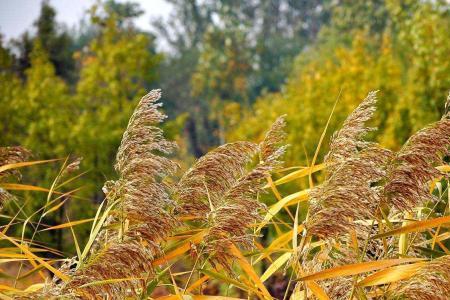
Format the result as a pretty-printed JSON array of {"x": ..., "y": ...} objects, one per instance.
[
  {"x": 240, "y": 208},
  {"x": 231, "y": 220},
  {"x": 273, "y": 147},
  {"x": 203, "y": 186},
  {"x": 350, "y": 191},
  {"x": 4, "y": 196},
  {"x": 414, "y": 165},
  {"x": 220, "y": 189},
  {"x": 347, "y": 142},
  {"x": 350, "y": 194},
  {"x": 10, "y": 155},
  {"x": 142, "y": 213},
  {"x": 430, "y": 282}
]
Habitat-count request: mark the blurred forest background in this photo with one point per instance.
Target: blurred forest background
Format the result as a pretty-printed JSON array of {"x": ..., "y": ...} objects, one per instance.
[{"x": 230, "y": 69}]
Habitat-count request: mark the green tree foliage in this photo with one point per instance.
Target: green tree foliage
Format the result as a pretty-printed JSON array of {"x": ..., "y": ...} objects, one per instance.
[
  {"x": 313, "y": 88},
  {"x": 45, "y": 115},
  {"x": 47, "y": 111},
  {"x": 248, "y": 45},
  {"x": 422, "y": 42},
  {"x": 222, "y": 73},
  {"x": 55, "y": 40},
  {"x": 40, "y": 106},
  {"x": 398, "y": 48},
  {"x": 117, "y": 68},
  {"x": 349, "y": 16},
  {"x": 46, "y": 100},
  {"x": 37, "y": 115},
  {"x": 9, "y": 88}
]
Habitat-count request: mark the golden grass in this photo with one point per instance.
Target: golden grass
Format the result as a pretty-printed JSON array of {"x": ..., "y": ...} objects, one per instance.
[{"x": 376, "y": 226}]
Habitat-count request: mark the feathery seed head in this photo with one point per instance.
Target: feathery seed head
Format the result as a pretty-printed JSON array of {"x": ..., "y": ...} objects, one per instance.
[
  {"x": 430, "y": 282},
  {"x": 273, "y": 147},
  {"x": 206, "y": 182},
  {"x": 414, "y": 166},
  {"x": 350, "y": 192},
  {"x": 11, "y": 155},
  {"x": 143, "y": 210},
  {"x": 349, "y": 139},
  {"x": 221, "y": 190}
]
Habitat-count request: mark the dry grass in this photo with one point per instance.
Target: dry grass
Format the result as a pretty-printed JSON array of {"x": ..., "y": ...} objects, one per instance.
[{"x": 377, "y": 226}]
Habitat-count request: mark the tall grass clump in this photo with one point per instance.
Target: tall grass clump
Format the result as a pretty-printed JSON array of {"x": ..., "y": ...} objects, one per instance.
[
  {"x": 374, "y": 225},
  {"x": 140, "y": 210}
]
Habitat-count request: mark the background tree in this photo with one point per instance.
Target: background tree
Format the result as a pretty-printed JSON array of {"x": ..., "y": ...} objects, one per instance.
[
  {"x": 116, "y": 70},
  {"x": 422, "y": 38},
  {"x": 9, "y": 89},
  {"x": 55, "y": 40},
  {"x": 227, "y": 69},
  {"x": 222, "y": 74},
  {"x": 272, "y": 31},
  {"x": 37, "y": 115},
  {"x": 361, "y": 52},
  {"x": 314, "y": 87},
  {"x": 54, "y": 120}
]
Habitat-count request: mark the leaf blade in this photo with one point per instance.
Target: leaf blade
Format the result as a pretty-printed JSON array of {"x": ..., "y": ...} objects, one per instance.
[
  {"x": 358, "y": 268},
  {"x": 415, "y": 227},
  {"x": 278, "y": 263}
]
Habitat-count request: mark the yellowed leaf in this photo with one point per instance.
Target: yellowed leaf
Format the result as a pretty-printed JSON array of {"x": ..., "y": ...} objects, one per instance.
[
  {"x": 317, "y": 290},
  {"x": 55, "y": 271},
  {"x": 24, "y": 164},
  {"x": 206, "y": 297},
  {"x": 249, "y": 270},
  {"x": 34, "y": 287},
  {"x": 313, "y": 286},
  {"x": 195, "y": 239},
  {"x": 23, "y": 187},
  {"x": 299, "y": 174},
  {"x": 69, "y": 224},
  {"x": 286, "y": 201},
  {"x": 8, "y": 288},
  {"x": 415, "y": 227},
  {"x": 357, "y": 268},
  {"x": 197, "y": 283},
  {"x": 444, "y": 168},
  {"x": 278, "y": 263},
  {"x": 391, "y": 274}
]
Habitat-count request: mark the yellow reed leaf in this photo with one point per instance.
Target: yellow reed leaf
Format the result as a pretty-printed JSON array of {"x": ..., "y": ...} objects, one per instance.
[
  {"x": 415, "y": 227},
  {"x": 195, "y": 239},
  {"x": 286, "y": 201},
  {"x": 357, "y": 268},
  {"x": 31, "y": 255},
  {"x": 392, "y": 274},
  {"x": 278, "y": 263},
  {"x": 248, "y": 269},
  {"x": 24, "y": 164},
  {"x": 68, "y": 224},
  {"x": 300, "y": 173}
]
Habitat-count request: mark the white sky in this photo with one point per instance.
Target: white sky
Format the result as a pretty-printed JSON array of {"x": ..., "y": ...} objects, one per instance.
[{"x": 16, "y": 16}]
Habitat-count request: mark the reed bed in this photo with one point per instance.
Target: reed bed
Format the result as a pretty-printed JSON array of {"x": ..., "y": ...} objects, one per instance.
[{"x": 375, "y": 225}]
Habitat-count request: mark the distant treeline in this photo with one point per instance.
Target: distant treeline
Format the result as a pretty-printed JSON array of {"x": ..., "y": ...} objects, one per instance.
[{"x": 229, "y": 69}]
